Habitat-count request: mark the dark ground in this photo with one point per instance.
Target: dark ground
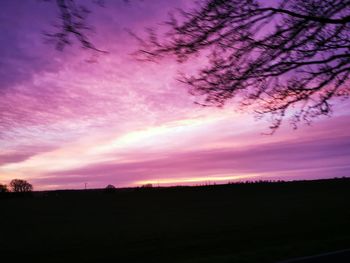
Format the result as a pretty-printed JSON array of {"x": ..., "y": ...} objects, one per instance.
[
  {"x": 340, "y": 256},
  {"x": 223, "y": 223}
]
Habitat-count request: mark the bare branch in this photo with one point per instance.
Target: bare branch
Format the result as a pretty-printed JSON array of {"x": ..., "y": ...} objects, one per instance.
[{"x": 291, "y": 59}]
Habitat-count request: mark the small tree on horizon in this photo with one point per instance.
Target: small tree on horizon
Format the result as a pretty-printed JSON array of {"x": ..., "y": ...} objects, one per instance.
[
  {"x": 147, "y": 186},
  {"x": 20, "y": 186},
  {"x": 3, "y": 188},
  {"x": 110, "y": 188}
]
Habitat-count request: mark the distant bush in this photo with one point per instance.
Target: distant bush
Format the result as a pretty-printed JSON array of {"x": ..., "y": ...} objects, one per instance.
[
  {"x": 20, "y": 186},
  {"x": 147, "y": 186},
  {"x": 110, "y": 188},
  {"x": 3, "y": 188}
]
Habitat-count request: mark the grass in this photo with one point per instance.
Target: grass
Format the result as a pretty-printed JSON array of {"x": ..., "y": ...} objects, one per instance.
[{"x": 222, "y": 223}]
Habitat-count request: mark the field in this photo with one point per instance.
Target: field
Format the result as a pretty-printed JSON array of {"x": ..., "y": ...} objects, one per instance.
[{"x": 264, "y": 222}]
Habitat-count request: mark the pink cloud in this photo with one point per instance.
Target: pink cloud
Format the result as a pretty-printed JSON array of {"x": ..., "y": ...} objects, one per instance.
[{"x": 321, "y": 157}]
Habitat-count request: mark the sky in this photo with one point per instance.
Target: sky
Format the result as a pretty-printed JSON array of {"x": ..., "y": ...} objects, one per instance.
[{"x": 74, "y": 116}]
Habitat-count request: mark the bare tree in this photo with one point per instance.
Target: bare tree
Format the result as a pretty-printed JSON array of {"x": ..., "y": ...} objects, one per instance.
[
  {"x": 290, "y": 58},
  {"x": 20, "y": 186},
  {"x": 72, "y": 25}
]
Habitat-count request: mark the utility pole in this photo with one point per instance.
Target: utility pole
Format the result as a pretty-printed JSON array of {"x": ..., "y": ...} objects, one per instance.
[{"x": 85, "y": 185}]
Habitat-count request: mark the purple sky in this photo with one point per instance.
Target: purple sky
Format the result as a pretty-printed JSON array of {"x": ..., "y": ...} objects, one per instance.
[{"x": 64, "y": 121}]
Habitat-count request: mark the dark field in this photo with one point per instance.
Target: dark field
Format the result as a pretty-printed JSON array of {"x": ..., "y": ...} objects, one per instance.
[{"x": 223, "y": 223}]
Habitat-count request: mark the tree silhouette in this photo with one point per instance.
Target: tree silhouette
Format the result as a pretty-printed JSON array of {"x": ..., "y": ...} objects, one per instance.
[
  {"x": 3, "y": 188},
  {"x": 73, "y": 25},
  {"x": 147, "y": 186},
  {"x": 291, "y": 58},
  {"x": 110, "y": 188},
  {"x": 20, "y": 186}
]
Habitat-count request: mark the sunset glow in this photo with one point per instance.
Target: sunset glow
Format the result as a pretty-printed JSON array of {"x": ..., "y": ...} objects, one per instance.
[{"x": 73, "y": 117}]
